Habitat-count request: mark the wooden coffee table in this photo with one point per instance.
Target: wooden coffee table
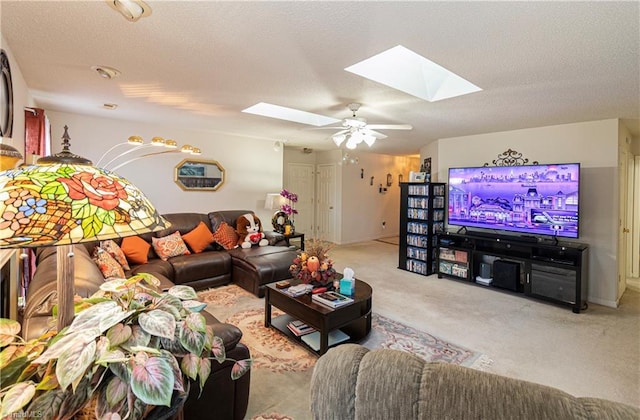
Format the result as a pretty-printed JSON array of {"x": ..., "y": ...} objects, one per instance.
[{"x": 353, "y": 319}]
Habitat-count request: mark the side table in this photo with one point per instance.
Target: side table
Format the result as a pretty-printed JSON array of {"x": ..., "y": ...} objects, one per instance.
[{"x": 295, "y": 235}]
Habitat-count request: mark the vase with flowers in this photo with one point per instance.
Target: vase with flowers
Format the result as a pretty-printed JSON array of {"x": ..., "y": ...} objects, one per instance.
[
  {"x": 289, "y": 208},
  {"x": 313, "y": 266}
]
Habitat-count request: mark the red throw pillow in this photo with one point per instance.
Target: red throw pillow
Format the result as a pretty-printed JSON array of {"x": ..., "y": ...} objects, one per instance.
[
  {"x": 199, "y": 238},
  {"x": 136, "y": 249},
  {"x": 226, "y": 236}
]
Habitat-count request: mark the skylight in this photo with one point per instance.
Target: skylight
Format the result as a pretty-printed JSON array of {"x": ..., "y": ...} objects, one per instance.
[
  {"x": 403, "y": 69},
  {"x": 289, "y": 114}
]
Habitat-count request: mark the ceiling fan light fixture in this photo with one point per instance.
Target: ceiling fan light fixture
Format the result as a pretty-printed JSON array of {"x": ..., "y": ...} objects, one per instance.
[
  {"x": 132, "y": 10},
  {"x": 369, "y": 139},
  {"x": 339, "y": 139},
  {"x": 352, "y": 143}
]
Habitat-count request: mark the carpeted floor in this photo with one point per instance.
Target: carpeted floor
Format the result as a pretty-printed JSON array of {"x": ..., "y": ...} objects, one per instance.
[{"x": 282, "y": 367}]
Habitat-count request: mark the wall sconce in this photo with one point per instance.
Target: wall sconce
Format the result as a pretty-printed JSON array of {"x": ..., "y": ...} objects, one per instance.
[
  {"x": 371, "y": 181},
  {"x": 389, "y": 180},
  {"x": 400, "y": 179}
]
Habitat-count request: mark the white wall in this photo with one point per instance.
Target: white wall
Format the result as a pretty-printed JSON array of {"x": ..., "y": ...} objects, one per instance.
[
  {"x": 21, "y": 99},
  {"x": 592, "y": 144},
  {"x": 361, "y": 208},
  {"x": 252, "y": 167}
]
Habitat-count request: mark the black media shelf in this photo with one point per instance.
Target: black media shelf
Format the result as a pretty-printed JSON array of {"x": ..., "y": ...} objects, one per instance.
[{"x": 553, "y": 271}]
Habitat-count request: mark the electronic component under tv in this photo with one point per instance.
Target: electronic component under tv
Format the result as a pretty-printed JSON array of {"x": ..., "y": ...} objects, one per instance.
[{"x": 531, "y": 199}]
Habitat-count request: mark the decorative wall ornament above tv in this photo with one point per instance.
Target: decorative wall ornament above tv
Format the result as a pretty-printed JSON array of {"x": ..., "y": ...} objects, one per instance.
[{"x": 511, "y": 158}]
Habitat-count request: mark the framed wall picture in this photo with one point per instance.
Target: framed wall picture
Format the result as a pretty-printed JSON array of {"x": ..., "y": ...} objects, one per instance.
[{"x": 6, "y": 96}]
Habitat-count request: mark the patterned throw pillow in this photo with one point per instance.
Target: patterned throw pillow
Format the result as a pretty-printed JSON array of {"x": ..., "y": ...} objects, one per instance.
[
  {"x": 199, "y": 238},
  {"x": 107, "y": 264},
  {"x": 114, "y": 250},
  {"x": 226, "y": 236},
  {"x": 169, "y": 246},
  {"x": 136, "y": 249}
]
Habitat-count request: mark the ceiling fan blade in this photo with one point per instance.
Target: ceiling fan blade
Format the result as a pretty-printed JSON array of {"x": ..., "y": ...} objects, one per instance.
[
  {"x": 377, "y": 135},
  {"x": 339, "y": 133},
  {"x": 390, "y": 126},
  {"x": 333, "y": 127}
]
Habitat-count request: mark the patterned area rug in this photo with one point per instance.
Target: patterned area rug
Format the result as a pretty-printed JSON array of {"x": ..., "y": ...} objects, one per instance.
[{"x": 285, "y": 365}]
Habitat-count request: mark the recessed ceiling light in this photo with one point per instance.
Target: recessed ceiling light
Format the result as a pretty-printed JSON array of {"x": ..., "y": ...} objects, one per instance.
[
  {"x": 289, "y": 114},
  {"x": 132, "y": 10},
  {"x": 409, "y": 72},
  {"x": 106, "y": 72}
]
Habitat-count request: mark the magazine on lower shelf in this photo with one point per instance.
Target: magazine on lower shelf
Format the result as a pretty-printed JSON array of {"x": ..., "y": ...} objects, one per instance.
[
  {"x": 335, "y": 337},
  {"x": 331, "y": 299},
  {"x": 299, "y": 328}
]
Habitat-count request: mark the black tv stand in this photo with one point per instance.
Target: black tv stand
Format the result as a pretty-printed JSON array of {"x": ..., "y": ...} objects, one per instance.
[{"x": 549, "y": 270}]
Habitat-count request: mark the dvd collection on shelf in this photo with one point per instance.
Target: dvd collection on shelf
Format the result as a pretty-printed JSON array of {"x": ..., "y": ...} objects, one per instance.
[
  {"x": 417, "y": 253},
  {"x": 331, "y": 299},
  {"x": 417, "y": 266}
]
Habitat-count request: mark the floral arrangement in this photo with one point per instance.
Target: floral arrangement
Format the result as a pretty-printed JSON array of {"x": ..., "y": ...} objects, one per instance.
[
  {"x": 314, "y": 266},
  {"x": 289, "y": 206}
]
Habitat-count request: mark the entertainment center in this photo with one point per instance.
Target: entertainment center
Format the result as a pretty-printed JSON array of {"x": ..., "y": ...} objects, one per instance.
[{"x": 544, "y": 269}]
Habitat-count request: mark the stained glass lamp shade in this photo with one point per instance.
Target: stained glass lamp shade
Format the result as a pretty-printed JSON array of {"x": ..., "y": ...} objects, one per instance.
[{"x": 63, "y": 200}]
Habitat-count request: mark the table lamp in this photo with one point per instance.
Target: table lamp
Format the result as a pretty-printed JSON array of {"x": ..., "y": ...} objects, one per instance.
[{"x": 64, "y": 200}]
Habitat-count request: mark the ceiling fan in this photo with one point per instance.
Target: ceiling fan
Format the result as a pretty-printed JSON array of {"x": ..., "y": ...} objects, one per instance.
[{"x": 355, "y": 130}]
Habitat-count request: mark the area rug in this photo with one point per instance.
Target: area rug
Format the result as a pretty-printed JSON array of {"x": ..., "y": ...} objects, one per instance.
[{"x": 282, "y": 367}]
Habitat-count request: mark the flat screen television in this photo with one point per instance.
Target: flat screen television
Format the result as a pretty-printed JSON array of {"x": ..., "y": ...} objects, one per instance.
[{"x": 530, "y": 199}]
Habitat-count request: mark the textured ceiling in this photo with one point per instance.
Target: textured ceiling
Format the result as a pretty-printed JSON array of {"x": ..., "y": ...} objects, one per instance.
[{"x": 198, "y": 64}]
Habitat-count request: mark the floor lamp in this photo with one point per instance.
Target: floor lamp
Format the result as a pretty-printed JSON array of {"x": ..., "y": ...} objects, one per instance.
[{"x": 64, "y": 200}]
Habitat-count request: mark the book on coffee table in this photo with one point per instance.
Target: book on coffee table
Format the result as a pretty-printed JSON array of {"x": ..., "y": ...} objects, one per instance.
[
  {"x": 313, "y": 340},
  {"x": 300, "y": 328},
  {"x": 331, "y": 299}
]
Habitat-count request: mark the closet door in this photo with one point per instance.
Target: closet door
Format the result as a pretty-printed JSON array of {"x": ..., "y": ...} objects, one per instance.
[
  {"x": 326, "y": 203},
  {"x": 301, "y": 180}
]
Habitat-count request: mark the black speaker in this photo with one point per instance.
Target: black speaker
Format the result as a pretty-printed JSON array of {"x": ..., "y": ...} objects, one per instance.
[{"x": 506, "y": 274}]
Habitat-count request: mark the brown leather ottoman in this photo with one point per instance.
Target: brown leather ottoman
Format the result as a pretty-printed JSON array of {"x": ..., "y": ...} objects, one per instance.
[{"x": 254, "y": 267}]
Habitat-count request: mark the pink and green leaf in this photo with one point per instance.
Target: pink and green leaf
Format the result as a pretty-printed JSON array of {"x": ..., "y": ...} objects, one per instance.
[
  {"x": 217, "y": 349},
  {"x": 118, "y": 334},
  {"x": 73, "y": 363},
  {"x": 9, "y": 328},
  {"x": 152, "y": 380},
  {"x": 116, "y": 391},
  {"x": 183, "y": 292},
  {"x": 240, "y": 367},
  {"x": 190, "y": 365},
  {"x": 196, "y": 322},
  {"x": 159, "y": 323},
  {"x": 192, "y": 340},
  {"x": 194, "y": 305},
  {"x": 204, "y": 370},
  {"x": 17, "y": 397}
]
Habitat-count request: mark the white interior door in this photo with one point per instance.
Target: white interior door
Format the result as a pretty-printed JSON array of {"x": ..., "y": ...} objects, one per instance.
[
  {"x": 326, "y": 203},
  {"x": 622, "y": 221},
  {"x": 301, "y": 180}
]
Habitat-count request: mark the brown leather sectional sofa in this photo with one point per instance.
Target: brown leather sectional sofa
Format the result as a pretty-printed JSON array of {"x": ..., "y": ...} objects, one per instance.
[{"x": 250, "y": 268}]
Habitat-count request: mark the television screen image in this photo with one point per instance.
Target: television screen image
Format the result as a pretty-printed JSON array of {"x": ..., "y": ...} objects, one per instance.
[{"x": 531, "y": 199}]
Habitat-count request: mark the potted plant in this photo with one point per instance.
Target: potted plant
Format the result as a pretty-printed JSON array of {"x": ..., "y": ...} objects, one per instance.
[{"x": 129, "y": 349}]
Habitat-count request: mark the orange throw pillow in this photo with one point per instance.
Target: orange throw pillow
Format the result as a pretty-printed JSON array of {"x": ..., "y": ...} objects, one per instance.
[
  {"x": 136, "y": 249},
  {"x": 199, "y": 238},
  {"x": 226, "y": 236}
]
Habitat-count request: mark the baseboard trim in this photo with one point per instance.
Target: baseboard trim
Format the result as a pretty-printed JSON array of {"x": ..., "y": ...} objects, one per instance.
[{"x": 603, "y": 302}]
